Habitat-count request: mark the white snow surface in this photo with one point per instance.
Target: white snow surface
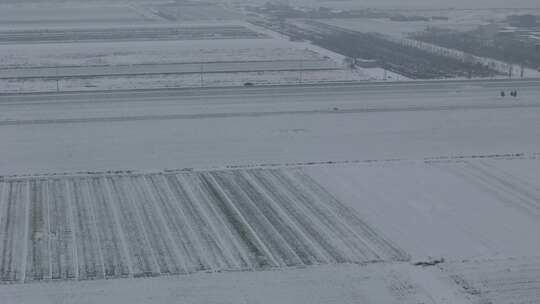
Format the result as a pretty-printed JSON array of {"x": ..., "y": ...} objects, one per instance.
[
  {"x": 441, "y": 171},
  {"x": 242, "y": 126}
]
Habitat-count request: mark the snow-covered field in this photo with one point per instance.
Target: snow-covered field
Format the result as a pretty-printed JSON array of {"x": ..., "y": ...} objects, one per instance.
[
  {"x": 94, "y": 54},
  {"x": 242, "y": 126},
  {"x": 126, "y": 53},
  {"x": 299, "y": 194},
  {"x": 439, "y": 231},
  {"x": 110, "y": 226},
  {"x": 224, "y": 62},
  {"x": 385, "y": 193}
]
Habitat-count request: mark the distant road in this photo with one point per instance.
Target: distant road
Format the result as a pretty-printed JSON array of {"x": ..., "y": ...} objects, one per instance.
[{"x": 171, "y": 129}]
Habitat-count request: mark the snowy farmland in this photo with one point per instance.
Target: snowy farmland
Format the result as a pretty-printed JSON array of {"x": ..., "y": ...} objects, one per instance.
[
  {"x": 172, "y": 153},
  {"x": 148, "y": 48},
  {"x": 303, "y": 224},
  {"x": 421, "y": 192},
  {"x": 111, "y": 226}
]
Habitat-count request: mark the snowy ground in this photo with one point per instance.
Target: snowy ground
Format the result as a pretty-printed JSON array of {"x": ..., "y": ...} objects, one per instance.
[
  {"x": 133, "y": 46},
  {"x": 304, "y": 194},
  {"x": 385, "y": 193},
  {"x": 241, "y": 126},
  {"x": 375, "y": 283},
  {"x": 440, "y": 231}
]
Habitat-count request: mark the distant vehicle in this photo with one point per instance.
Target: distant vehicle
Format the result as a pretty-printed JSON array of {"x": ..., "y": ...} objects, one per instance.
[{"x": 248, "y": 84}]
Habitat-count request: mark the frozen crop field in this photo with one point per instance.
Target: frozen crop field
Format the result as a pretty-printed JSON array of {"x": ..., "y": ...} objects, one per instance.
[
  {"x": 301, "y": 225},
  {"x": 107, "y": 226},
  {"x": 126, "y": 53}
]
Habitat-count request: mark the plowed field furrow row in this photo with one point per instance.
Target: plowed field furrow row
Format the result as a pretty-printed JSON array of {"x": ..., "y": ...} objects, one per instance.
[
  {"x": 294, "y": 246},
  {"x": 236, "y": 253},
  {"x": 88, "y": 251},
  {"x": 328, "y": 254},
  {"x": 141, "y": 256},
  {"x": 164, "y": 250},
  {"x": 303, "y": 246},
  {"x": 114, "y": 260},
  {"x": 205, "y": 203},
  {"x": 387, "y": 250},
  {"x": 201, "y": 228},
  {"x": 321, "y": 205},
  {"x": 61, "y": 234},
  {"x": 38, "y": 241},
  {"x": 13, "y": 232},
  {"x": 342, "y": 252},
  {"x": 182, "y": 234},
  {"x": 277, "y": 246},
  {"x": 263, "y": 257}
]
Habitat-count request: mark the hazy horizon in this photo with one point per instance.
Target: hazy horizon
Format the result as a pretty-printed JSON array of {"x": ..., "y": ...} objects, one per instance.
[{"x": 425, "y": 4}]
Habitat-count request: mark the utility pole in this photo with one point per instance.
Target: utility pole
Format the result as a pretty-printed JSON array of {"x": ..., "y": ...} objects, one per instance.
[
  {"x": 202, "y": 72},
  {"x": 301, "y": 70},
  {"x": 57, "y": 80}
]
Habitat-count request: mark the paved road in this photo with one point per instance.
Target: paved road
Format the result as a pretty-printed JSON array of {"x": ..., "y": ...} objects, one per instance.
[{"x": 153, "y": 130}]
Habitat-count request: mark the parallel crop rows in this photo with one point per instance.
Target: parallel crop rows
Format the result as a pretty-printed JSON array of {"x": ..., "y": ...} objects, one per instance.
[{"x": 109, "y": 226}]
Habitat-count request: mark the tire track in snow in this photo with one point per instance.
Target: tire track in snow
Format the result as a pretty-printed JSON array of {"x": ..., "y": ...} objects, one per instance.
[
  {"x": 497, "y": 281},
  {"x": 512, "y": 194}
]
